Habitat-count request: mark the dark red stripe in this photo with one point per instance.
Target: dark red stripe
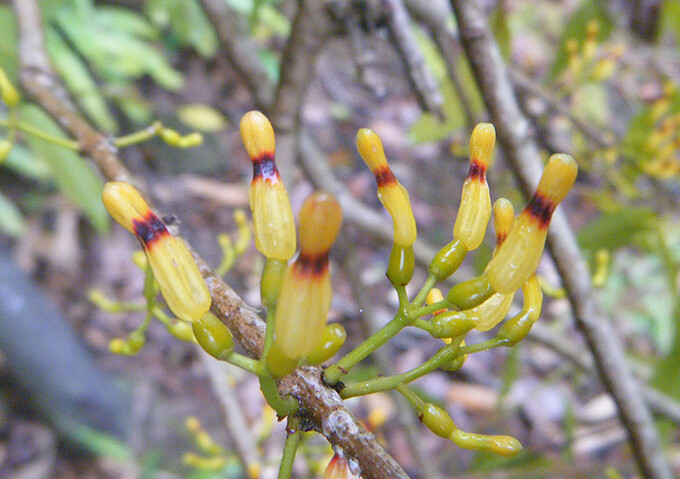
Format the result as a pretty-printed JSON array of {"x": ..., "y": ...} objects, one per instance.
[
  {"x": 500, "y": 238},
  {"x": 150, "y": 229},
  {"x": 264, "y": 167},
  {"x": 477, "y": 170},
  {"x": 384, "y": 176},
  {"x": 313, "y": 266},
  {"x": 541, "y": 208}
]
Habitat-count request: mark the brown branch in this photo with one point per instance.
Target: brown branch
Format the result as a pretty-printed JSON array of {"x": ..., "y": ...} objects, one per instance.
[
  {"x": 522, "y": 155},
  {"x": 321, "y": 406},
  {"x": 419, "y": 74},
  {"x": 240, "y": 50}
]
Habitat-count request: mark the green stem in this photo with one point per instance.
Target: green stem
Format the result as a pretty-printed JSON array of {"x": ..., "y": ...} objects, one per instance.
[
  {"x": 403, "y": 297},
  {"x": 283, "y": 406},
  {"x": 43, "y": 135},
  {"x": 137, "y": 137},
  {"x": 334, "y": 372},
  {"x": 268, "y": 334},
  {"x": 445, "y": 354},
  {"x": 289, "y": 451},
  {"x": 429, "y": 309},
  {"x": 425, "y": 326},
  {"x": 422, "y": 294},
  {"x": 484, "y": 346},
  {"x": 245, "y": 363},
  {"x": 411, "y": 396}
]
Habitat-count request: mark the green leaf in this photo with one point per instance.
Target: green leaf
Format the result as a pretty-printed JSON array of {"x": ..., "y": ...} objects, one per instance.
[
  {"x": 79, "y": 82},
  {"x": 11, "y": 220},
  {"x": 74, "y": 177},
  {"x": 125, "y": 21},
  {"x": 614, "y": 230},
  {"x": 576, "y": 27},
  {"x": 21, "y": 161},
  {"x": 201, "y": 117},
  {"x": 670, "y": 19},
  {"x": 8, "y": 43}
]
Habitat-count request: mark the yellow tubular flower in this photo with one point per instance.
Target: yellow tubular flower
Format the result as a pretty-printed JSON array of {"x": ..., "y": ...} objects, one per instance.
[
  {"x": 305, "y": 295},
  {"x": 391, "y": 193},
  {"x": 503, "y": 215},
  {"x": 475, "y": 203},
  {"x": 518, "y": 257},
  {"x": 517, "y": 327},
  {"x": 173, "y": 266},
  {"x": 272, "y": 215},
  {"x": 490, "y": 312}
]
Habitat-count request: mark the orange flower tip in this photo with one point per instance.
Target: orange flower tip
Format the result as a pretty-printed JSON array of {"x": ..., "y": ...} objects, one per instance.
[
  {"x": 320, "y": 221},
  {"x": 258, "y": 135},
  {"x": 557, "y": 179},
  {"x": 482, "y": 141},
  {"x": 371, "y": 150}
]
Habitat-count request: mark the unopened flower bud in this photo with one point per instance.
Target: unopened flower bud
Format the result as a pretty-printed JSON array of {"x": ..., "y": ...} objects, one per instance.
[
  {"x": 391, "y": 193},
  {"x": 305, "y": 294},
  {"x": 503, "y": 216},
  {"x": 332, "y": 339},
  {"x": 172, "y": 264},
  {"x": 516, "y": 328},
  {"x": 8, "y": 92},
  {"x": 475, "y": 203},
  {"x": 518, "y": 257},
  {"x": 272, "y": 215},
  {"x": 213, "y": 336}
]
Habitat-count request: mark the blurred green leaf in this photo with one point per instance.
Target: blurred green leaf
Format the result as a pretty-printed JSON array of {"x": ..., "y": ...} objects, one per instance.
[
  {"x": 79, "y": 82},
  {"x": 187, "y": 20},
  {"x": 74, "y": 177},
  {"x": 125, "y": 21},
  {"x": 11, "y": 220},
  {"x": 670, "y": 19},
  {"x": 201, "y": 117},
  {"x": 614, "y": 230},
  {"x": 577, "y": 26},
  {"x": 21, "y": 161},
  {"x": 8, "y": 43}
]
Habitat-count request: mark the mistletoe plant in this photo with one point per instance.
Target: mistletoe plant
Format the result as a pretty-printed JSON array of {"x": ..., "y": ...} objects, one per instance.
[{"x": 297, "y": 294}]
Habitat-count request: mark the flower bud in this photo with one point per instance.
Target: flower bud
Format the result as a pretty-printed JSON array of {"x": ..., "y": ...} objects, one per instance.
[
  {"x": 172, "y": 264},
  {"x": 437, "y": 420},
  {"x": 475, "y": 203},
  {"x": 516, "y": 328},
  {"x": 401, "y": 265},
  {"x": 518, "y": 257},
  {"x": 391, "y": 193},
  {"x": 272, "y": 215},
  {"x": 305, "y": 294},
  {"x": 332, "y": 339},
  {"x": 490, "y": 312},
  {"x": 470, "y": 293},
  {"x": 448, "y": 259},
  {"x": 503, "y": 215},
  {"x": 434, "y": 296},
  {"x": 8, "y": 92},
  {"x": 213, "y": 336},
  {"x": 502, "y": 445}
]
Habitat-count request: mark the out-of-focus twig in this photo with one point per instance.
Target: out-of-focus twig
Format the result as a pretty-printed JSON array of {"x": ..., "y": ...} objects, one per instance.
[
  {"x": 322, "y": 406},
  {"x": 421, "y": 77},
  {"x": 239, "y": 48},
  {"x": 522, "y": 154}
]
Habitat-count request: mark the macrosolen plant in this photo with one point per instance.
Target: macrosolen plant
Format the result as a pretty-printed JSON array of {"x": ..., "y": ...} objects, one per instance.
[{"x": 298, "y": 295}]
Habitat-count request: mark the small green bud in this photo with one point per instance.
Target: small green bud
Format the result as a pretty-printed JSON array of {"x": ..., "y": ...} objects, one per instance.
[
  {"x": 437, "y": 420},
  {"x": 333, "y": 338},
  {"x": 270, "y": 284},
  {"x": 448, "y": 259},
  {"x": 213, "y": 336},
  {"x": 401, "y": 265},
  {"x": 470, "y": 293}
]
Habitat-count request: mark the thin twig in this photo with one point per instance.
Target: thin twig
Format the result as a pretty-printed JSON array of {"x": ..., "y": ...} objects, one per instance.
[
  {"x": 522, "y": 155},
  {"x": 419, "y": 74},
  {"x": 322, "y": 406},
  {"x": 239, "y": 48}
]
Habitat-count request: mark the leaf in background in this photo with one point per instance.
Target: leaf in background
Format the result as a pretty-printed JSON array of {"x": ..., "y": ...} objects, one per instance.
[
  {"x": 188, "y": 21},
  {"x": 8, "y": 43},
  {"x": 634, "y": 143},
  {"x": 576, "y": 28},
  {"x": 79, "y": 82},
  {"x": 21, "y": 161},
  {"x": 614, "y": 230},
  {"x": 11, "y": 220},
  {"x": 201, "y": 117},
  {"x": 74, "y": 177},
  {"x": 670, "y": 19},
  {"x": 125, "y": 21},
  {"x": 116, "y": 54}
]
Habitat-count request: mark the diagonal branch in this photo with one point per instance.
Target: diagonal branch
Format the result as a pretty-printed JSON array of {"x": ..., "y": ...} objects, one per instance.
[
  {"x": 523, "y": 157},
  {"x": 321, "y": 406}
]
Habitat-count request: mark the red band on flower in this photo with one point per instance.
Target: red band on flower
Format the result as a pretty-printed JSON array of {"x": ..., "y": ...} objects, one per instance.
[
  {"x": 384, "y": 176},
  {"x": 264, "y": 167},
  {"x": 541, "y": 208},
  {"x": 150, "y": 229},
  {"x": 477, "y": 170},
  {"x": 313, "y": 266}
]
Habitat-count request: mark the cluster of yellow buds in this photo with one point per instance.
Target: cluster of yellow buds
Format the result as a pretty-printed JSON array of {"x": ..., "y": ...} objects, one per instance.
[
  {"x": 170, "y": 260},
  {"x": 584, "y": 63}
]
